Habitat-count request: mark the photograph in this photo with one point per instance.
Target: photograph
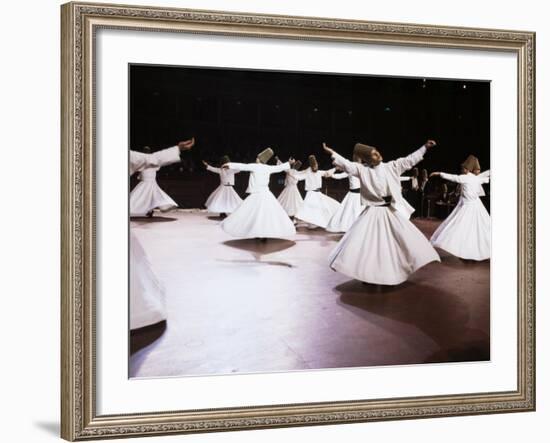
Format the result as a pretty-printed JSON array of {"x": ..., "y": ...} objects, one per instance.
[
  {"x": 298, "y": 221},
  {"x": 287, "y": 220}
]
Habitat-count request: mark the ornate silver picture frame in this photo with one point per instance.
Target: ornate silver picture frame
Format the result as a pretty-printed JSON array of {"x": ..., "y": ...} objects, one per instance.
[{"x": 80, "y": 23}]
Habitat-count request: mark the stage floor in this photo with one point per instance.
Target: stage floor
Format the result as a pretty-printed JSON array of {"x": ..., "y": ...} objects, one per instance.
[{"x": 238, "y": 306}]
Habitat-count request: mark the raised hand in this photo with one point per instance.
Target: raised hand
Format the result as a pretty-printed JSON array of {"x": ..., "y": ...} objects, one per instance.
[
  {"x": 204, "y": 163},
  {"x": 430, "y": 144},
  {"x": 327, "y": 149},
  {"x": 186, "y": 144}
]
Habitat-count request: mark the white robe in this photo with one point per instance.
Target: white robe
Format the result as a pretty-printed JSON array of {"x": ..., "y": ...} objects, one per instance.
[
  {"x": 318, "y": 208},
  {"x": 290, "y": 198},
  {"x": 224, "y": 199},
  {"x": 466, "y": 232},
  {"x": 382, "y": 246},
  {"x": 146, "y": 292},
  {"x": 147, "y": 295},
  {"x": 351, "y": 207},
  {"x": 260, "y": 215},
  {"x": 148, "y": 195}
]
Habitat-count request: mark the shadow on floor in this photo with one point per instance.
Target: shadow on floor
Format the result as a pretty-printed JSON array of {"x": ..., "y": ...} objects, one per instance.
[
  {"x": 439, "y": 313},
  {"x": 142, "y": 337},
  {"x": 259, "y": 247},
  {"x": 154, "y": 219},
  {"x": 258, "y": 261}
]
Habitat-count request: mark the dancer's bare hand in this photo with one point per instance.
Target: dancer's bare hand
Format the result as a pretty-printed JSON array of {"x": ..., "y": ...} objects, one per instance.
[
  {"x": 205, "y": 163},
  {"x": 430, "y": 144},
  {"x": 327, "y": 149},
  {"x": 186, "y": 144}
]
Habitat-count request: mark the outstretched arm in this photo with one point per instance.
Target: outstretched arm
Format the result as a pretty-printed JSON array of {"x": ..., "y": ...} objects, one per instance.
[
  {"x": 328, "y": 173},
  {"x": 484, "y": 174},
  {"x": 240, "y": 166},
  {"x": 211, "y": 168},
  {"x": 339, "y": 175},
  {"x": 279, "y": 167},
  {"x": 405, "y": 163},
  {"x": 140, "y": 161},
  {"x": 172, "y": 155},
  {"x": 351, "y": 168},
  {"x": 450, "y": 177}
]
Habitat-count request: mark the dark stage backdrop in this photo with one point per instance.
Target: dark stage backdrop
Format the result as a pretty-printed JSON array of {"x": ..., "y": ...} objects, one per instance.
[{"x": 240, "y": 112}]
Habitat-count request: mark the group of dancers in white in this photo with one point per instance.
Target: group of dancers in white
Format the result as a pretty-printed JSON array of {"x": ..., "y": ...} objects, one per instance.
[
  {"x": 380, "y": 245},
  {"x": 316, "y": 210}
]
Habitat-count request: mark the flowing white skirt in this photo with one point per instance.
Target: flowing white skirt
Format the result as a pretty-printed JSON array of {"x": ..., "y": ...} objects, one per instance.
[
  {"x": 291, "y": 200},
  {"x": 148, "y": 195},
  {"x": 317, "y": 209},
  {"x": 224, "y": 199},
  {"x": 466, "y": 232},
  {"x": 349, "y": 210},
  {"x": 259, "y": 216},
  {"x": 146, "y": 292},
  {"x": 382, "y": 247}
]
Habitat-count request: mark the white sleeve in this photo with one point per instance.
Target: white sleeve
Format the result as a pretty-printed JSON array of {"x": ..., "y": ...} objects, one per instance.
[
  {"x": 212, "y": 169},
  {"x": 298, "y": 175},
  {"x": 140, "y": 161},
  {"x": 339, "y": 175},
  {"x": 167, "y": 156},
  {"x": 484, "y": 174},
  {"x": 279, "y": 168},
  {"x": 405, "y": 163},
  {"x": 484, "y": 179},
  {"x": 352, "y": 168},
  {"x": 328, "y": 173},
  {"x": 452, "y": 177},
  {"x": 405, "y": 179},
  {"x": 242, "y": 166}
]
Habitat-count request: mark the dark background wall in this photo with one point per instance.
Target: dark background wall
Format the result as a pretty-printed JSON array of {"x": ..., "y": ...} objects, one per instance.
[{"x": 240, "y": 112}]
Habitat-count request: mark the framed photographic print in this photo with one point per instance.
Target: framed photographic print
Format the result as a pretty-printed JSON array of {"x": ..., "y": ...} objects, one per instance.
[{"x": 282, "y": 221}]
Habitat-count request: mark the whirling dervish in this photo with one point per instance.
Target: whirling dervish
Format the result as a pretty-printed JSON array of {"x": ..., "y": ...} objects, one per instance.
[
  {"x": 383, "y": 246},
  {"x": 224, "y": 199},
  {"x": 318, "y": 208},
  {"x": 466, "y": 232},
  {"x": 350, "y": 208},
  {"x": 260, "y": 215},
  {"x": 148, "y": 195},
  {"x": 290, "y": 198}
]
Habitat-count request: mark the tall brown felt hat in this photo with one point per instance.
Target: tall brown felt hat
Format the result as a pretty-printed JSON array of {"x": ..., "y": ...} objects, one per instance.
[
  {"x": 313, "y": 162},
  {"x": 362, "y": 152},
  {"x": 225, "y": 159},
  {"x": 470, "y": 163},
  {"x": 265, "y": 155}
]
